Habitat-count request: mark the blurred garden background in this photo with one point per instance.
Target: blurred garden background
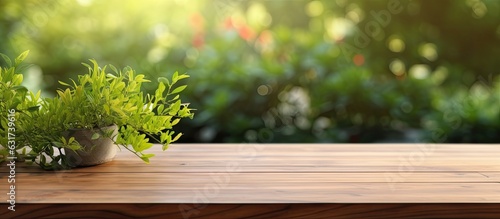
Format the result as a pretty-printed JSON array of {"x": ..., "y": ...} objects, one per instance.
[{"x": 353, "y": 71}]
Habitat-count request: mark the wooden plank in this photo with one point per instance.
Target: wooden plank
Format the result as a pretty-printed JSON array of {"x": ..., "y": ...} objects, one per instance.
[
  {"x": 274, "y": 169},
  {"x": 273, "y": 193},
  {"x": 258, "y": 188},
  {"x": 257, "y": 211},
  {"x": 29, "y": 179},
  {"x": 302, "y": 157},
  {"x": 402, "y": 168},
  {"x": 234, "y": 180}
]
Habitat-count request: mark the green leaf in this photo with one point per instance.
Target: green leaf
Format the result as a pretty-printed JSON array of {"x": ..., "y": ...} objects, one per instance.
[
  {"x": 175, "y": 121},
  {"x": 3, "y": 124},
  {"x": 165, "y": 146},
  {"x": 74, "y": 83},
  {"x": 74, "y": 146},
  {"x": 86, "y": 65},
  {"x": 174, "y": 78},
  {"x": 65, "y": 84},
  {"x": 63, "y": 140},
  {"x": 145, "y": 159},
  {"x": 21, "y": 57},
  {"x": 130, "y": 74},
  {"x": 95, "y": 136},
  {"x": 113, "y": 68},
  {"x": 58, "y": 144},
  {"x": 182, "y": 76},
  {"x": 177, "y": 137},
  {"x": 109, "y": 75},
  {"x": 159, "y": 92},
  {"x": 148, "y": 155},
  {"x": 71, "y": 140},
  {"x": 179, "y": 89},
  {"x": 106, "y": 109},
  {"x": 164, "y": 136},
  {"x": 176, "y": 97},
  {"x": 185, "y": 112},
  {"x": 7, "y": 59},
  {"x": 140, "y": 78},
  {"x": 20, "y": 88},
  {"x": 160, "y": 109},
  {"x": 163, "y": 80},
  {"x": 51, "y": 150},
  {"x": 174, "y": 109}
]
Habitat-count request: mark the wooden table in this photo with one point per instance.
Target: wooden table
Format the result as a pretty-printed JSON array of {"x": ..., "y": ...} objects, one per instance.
[{"x": 271, "y": 181}]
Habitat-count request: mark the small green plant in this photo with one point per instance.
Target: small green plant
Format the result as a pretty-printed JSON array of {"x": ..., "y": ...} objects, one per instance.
[
  {"x": 96, "y": 100},
  {"x": 12, "y": 96}
]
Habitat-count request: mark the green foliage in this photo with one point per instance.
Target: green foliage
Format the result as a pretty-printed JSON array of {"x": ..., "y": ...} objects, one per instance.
[
  {"x": 466, "y": 116},
  {"x": 250, "y": 59},
  {"x": 42, "y": 132},
  {"x": 95, "y": 100},
  {"x": 13, "y": 97}
]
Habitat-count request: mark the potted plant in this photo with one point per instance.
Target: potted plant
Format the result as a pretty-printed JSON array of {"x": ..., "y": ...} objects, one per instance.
[
  {"x": 98, "y": 112},
  {"x": 12, "y": 97}
]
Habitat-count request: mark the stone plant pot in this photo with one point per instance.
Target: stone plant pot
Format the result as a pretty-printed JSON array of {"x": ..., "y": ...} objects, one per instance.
[{"x": 94, "y": 151}]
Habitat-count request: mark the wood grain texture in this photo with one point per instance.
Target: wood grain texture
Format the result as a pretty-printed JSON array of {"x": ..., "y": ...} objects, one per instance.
[
  {"x": 271, "y": 181},
  {"x": 257, "y": 211}
]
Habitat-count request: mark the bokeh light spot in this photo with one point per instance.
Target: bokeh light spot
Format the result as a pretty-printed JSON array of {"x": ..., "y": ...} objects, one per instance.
[
  {"x": 428, "y": 51},
  {"x": 397, "y": 67},
  {"x": 396, "y": 44},
  {"x": 479, "y": 9},
  {"x": 439, "y": 75},
  {"x": 419, "y": 71},
  {"x": 155, "y": 55},
  {"x": 358, "y": 60},
  {"x": 339, "y": 28},
  {"x": 322, "y": 123},
  {"x": 354, "y": 13},
  {"x": 264, "y": 90},
  {"x": 314, "y": 8},
  {"x": 302, "y": 123},
  {"x": 353, "y": 16},
  {"x": 257, "y": 16}
]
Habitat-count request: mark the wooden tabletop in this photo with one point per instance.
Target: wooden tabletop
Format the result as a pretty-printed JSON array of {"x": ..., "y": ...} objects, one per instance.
[{"x": 193, "y": 175}]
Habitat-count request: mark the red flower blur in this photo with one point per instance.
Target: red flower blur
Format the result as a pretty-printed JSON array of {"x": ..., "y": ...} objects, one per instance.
[
  {"x": 244, "y": 31},
  {"x": 198, "y": 26}
]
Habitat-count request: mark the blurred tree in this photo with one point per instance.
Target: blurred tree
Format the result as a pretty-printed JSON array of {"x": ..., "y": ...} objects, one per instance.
[{"x": 360, "y": 68}]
